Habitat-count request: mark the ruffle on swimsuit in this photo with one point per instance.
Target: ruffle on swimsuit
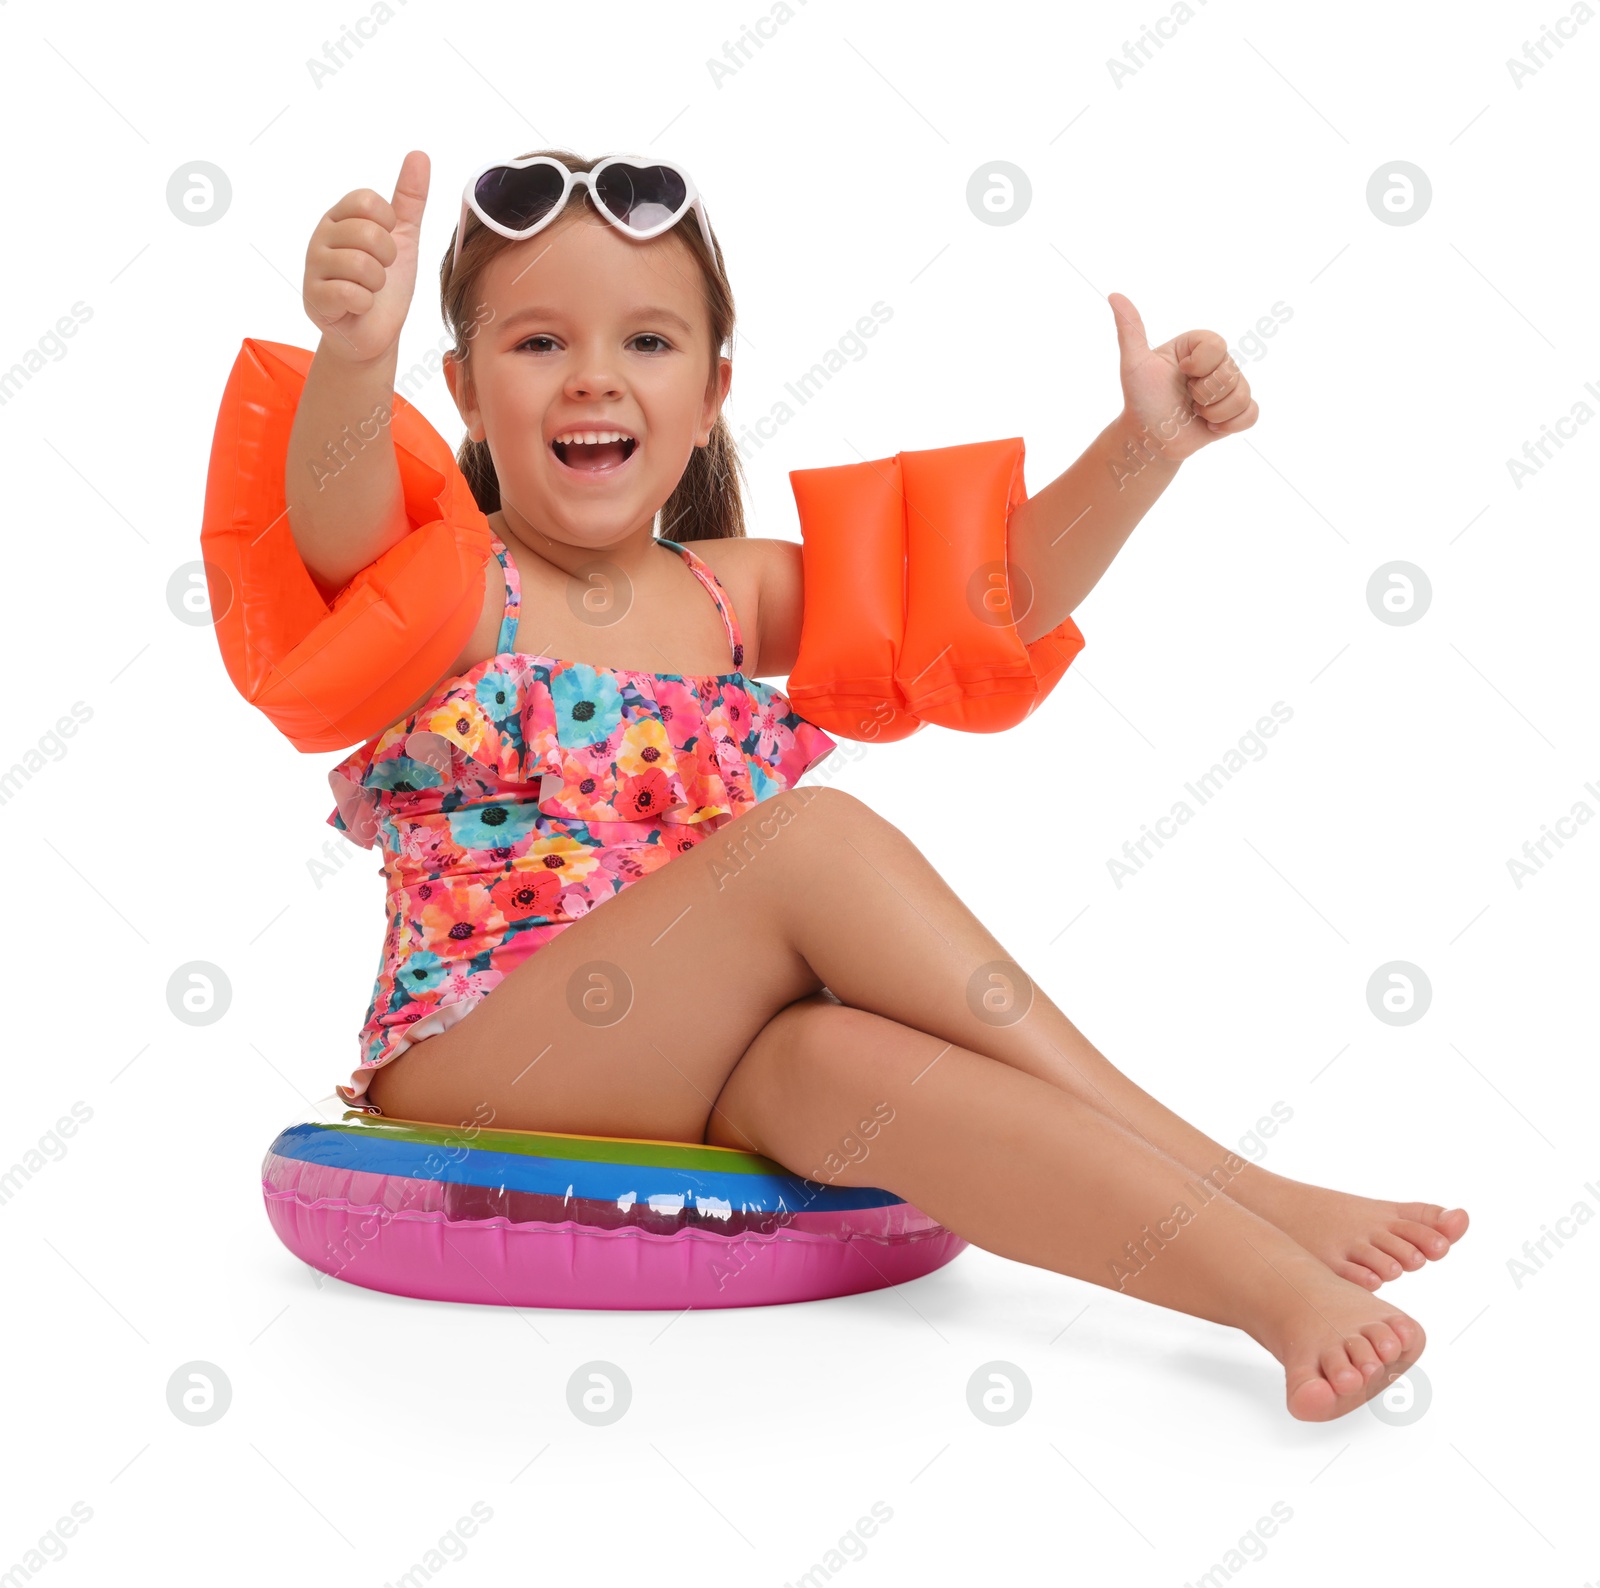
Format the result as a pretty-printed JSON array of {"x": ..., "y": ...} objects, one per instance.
[{"x": 604, "y": 744}]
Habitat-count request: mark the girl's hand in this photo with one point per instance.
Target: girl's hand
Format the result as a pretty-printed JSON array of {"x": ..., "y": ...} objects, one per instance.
[
  {"x": 1183, "y": 394},
  {"x": 361, "y": 265}
]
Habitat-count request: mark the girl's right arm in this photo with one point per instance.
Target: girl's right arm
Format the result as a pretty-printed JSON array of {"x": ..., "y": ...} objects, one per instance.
[{"x": 346, "y": 507}]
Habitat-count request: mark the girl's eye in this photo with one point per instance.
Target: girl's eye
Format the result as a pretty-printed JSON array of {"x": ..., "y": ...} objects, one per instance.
[{"x": 661, "y": 343}]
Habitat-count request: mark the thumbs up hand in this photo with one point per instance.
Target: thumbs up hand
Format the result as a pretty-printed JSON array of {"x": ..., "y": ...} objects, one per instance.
[
  {"x": 1183, "y": 394},
  {"x": 361, "y": 266}
]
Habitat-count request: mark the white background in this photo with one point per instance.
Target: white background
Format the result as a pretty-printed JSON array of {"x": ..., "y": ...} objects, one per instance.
[{"x": 1226, "y": 175}]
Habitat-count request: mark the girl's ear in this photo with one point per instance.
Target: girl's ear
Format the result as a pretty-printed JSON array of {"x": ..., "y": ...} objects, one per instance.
[
  {"x": 716, "y": 396},
  {"x": 458, "y": 378}
]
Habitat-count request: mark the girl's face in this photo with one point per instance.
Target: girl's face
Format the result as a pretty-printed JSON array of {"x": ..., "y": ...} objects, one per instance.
[{"x": 583, "y": 330}]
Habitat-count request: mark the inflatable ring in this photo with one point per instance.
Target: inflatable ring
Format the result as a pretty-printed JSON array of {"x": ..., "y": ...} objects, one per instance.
[
  {"x": 330, "y": 677},
  {"x": 523, "y": 1218}
]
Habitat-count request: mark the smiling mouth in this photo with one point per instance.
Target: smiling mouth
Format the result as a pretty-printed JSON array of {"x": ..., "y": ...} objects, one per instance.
[{"x": 598, "y": 457}]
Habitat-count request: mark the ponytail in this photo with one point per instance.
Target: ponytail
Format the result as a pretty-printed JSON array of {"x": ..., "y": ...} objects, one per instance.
[
  {"x": 708, "y": 503},
  {"x": 478, "y": 467}
]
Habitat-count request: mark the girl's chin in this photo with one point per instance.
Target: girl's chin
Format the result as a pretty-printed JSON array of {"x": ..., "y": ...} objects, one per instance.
[{"x": 593, "y": 524}]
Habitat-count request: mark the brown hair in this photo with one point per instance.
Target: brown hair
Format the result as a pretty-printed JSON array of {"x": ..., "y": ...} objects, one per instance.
[{"x": 707, "y": 503}]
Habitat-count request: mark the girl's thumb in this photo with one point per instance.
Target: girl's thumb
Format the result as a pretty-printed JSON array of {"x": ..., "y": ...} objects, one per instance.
[
  {"x": 411, "y": 190},
  {"x": 1130, "y": 328}
]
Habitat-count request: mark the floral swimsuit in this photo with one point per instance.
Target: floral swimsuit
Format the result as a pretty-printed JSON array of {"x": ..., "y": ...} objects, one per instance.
[{"x": 527, "y": 790}]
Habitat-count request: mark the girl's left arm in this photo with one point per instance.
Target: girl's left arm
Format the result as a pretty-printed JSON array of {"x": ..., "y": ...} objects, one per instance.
[{"x": 1177, "y": 398}]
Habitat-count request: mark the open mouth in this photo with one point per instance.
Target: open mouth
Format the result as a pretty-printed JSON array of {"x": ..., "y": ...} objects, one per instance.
[{"x": 595, "y": 457}]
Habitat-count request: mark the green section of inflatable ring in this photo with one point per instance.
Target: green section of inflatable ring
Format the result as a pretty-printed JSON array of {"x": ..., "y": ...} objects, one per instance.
[{"x": 554, "y": 1144}]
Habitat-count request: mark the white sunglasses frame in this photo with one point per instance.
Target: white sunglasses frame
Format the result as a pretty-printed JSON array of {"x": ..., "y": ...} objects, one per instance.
[{"x": 572, "y": 179}]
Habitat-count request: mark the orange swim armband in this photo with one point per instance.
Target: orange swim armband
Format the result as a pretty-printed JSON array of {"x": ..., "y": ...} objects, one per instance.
[
  {"x": 908, "y": 596},
  {"x": 332, "y": 676}
]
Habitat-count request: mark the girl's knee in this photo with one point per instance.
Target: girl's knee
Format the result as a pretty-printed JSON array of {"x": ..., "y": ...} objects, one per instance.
[
  {"x": 794, "y": 826},
  {"x": 837, "y": 806},
  {"x": 811, "y": 1054},
  {"x": 830, "y": 816},
  {"x": 842, "y": 1082},
  {"x": 818, "y": 805},
  {"x": 833, "y": 1057}
]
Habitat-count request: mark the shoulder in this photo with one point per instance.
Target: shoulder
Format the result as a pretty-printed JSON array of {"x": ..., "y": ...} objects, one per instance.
[
  {"x": 483, "y": 640},
  {"x": 763, "y": 580},
  {"x": 747, "y": 560}
]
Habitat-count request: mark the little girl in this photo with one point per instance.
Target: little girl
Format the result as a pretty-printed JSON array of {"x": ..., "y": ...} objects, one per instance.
[{"x": 606, "y": 718}]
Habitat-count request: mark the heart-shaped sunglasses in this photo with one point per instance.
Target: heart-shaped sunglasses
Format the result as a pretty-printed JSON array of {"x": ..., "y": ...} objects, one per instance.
[{"x": 639, "y": 196}]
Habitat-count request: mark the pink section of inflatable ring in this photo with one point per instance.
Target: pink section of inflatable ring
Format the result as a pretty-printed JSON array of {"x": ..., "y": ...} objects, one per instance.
[{"x": 418, "y": 1251}]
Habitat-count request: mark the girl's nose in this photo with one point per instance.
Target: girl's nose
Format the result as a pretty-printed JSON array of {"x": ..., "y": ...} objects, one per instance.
[{"x": 594, "y": 376}]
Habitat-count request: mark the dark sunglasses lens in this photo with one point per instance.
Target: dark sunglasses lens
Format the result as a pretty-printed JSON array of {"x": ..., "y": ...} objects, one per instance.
[
  {"x": 642, "y": 196},
  {"x": 518, "y": 198}
]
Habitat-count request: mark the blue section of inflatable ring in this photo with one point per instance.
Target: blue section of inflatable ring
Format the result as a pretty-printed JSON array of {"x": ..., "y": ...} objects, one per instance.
[{"x": 574, "y": 1177}]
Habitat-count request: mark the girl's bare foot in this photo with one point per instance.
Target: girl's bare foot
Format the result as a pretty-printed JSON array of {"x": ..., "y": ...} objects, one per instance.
[
  {"x": 1364, "y": 1241},
  {"x": 1339, "y": 1347}
]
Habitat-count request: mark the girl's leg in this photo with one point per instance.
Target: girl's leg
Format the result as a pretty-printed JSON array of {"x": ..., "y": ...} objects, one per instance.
[
  {"x": 948, "y": 975},
  {"x": 951, "y": 977},
  {"x": 1033, "y": 1172}
]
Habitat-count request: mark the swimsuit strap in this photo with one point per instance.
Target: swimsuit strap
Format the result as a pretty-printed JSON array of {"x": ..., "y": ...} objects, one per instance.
[
  {"x": 717, "y": 593},
  {"x": 508, "y": 624}
]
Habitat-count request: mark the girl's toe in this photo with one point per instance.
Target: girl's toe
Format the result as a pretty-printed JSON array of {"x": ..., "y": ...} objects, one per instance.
[
  {"x": 1340, "y": 1372},
  {"x": 1424, "y": 1237},
  {"x": 1407, "y": 1331},
  {"x": 1381, "y": 1263},
  {"x": 1311, "y": 1397},
  {"x": 1363, "y": 1357},
  {"x": 1358, "y": 1274},
  {"x": 1399, "y": 1248},
  {"x": 1449, "y": 1222},
  {"x": 1384, "y": 1341}
]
